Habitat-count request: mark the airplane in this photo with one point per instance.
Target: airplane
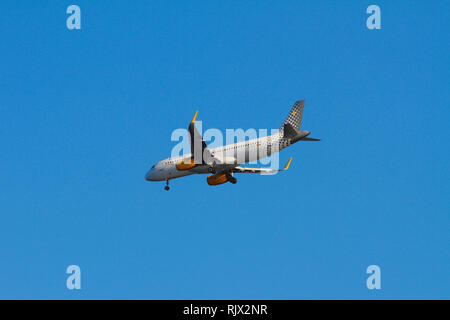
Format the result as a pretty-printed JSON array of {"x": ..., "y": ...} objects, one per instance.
[{"x": 224, "y": 161}]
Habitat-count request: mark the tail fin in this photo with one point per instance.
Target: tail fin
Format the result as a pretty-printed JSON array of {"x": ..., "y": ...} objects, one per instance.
[{"x": 294, "y": 117}]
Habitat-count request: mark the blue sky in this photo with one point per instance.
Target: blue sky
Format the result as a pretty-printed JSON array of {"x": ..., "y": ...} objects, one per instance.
[{"x": 85, "y": 113}]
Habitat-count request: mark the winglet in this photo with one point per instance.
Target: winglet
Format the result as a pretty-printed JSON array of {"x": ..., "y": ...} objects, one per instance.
[
  {"x": 288, "y": 164},
  {"x": 195, "y": 117}
]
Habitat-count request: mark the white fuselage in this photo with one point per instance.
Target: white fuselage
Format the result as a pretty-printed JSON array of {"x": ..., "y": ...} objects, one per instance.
[{"x": 227, "y": 156}]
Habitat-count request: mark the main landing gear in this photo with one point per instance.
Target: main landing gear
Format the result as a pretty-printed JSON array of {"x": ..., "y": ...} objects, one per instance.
[
  {"x": 231, "y": 178},
  {"x": 167, "y": 185},
  {"x": 211, "y": 170}
]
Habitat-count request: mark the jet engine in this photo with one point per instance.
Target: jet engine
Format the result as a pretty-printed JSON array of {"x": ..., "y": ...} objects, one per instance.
[
  {"x": 185, "y": 164},
  {"x": 220, "y": 178},
  {"x": 216, "y": 179}
]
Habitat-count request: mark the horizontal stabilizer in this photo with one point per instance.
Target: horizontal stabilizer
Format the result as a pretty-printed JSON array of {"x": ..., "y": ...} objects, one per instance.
[{"x": 309, "y": 139}]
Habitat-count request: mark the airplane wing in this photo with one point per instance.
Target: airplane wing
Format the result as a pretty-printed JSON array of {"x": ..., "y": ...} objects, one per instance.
[
  {"x": 199, "y": 150},
  {"x": 259, "y": 170}
]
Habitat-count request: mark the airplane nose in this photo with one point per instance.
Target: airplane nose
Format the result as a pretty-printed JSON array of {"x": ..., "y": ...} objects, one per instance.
[{"x": 149, "y": 175}]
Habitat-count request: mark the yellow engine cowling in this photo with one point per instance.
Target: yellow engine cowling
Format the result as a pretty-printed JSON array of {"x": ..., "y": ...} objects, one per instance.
[
  {"x": 216, "y": 179},
  {"x": 185, "y": 164}
]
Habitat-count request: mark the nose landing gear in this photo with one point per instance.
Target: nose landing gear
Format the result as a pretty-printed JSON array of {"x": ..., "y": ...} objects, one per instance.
[{"x": 167, "y": 185}]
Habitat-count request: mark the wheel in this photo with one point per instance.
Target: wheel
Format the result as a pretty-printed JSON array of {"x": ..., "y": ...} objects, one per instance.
[
  {"x": 166, "y": 188},
  {"x": 230, "y": 178}
]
